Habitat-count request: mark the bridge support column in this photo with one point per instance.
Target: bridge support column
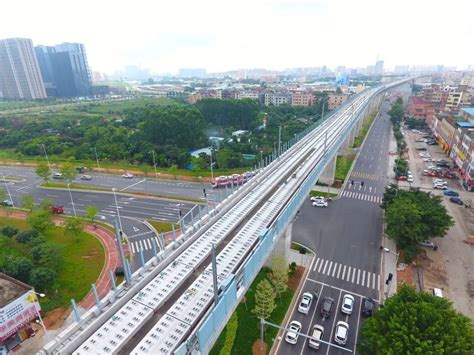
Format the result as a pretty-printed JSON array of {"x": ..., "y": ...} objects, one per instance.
[
  {"x": 282, "y": 246},
  {"x": 329, "y": 172}
]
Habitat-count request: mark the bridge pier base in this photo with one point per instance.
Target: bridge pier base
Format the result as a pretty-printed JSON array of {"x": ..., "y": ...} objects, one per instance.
[
  {"x": 329, "y": 172},
  {"x": 282, "y": 247}
]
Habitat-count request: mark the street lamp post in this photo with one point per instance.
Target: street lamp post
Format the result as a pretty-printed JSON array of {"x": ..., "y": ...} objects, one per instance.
[
  {"x": 212, "y": 171},
  {"x": 154, "y": 162},
  {"x": 387, "y": 250},
  {"x": 116, "y": 207},
  {"x": 37, "y": 311},
  {"x": 46, "y": 155},
  {"x": 72, "y": 201},
  {"x": 97, "y": 159},
  {"x": 8, "y": 191}
]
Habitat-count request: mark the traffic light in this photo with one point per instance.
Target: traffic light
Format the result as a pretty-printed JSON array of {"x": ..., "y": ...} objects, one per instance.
[
  {"x": 204, "y": 192},
  {"x": 362, "y": 183},
  {"x": 352, "y": 182},
  {"x": 390, "y": 277}
]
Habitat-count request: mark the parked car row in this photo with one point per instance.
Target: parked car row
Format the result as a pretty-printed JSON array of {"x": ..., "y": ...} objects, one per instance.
[
  {"x": 235, "y": 179},
  {"x": 319, "y": 201},
  {"x": 341, "y": 333}
]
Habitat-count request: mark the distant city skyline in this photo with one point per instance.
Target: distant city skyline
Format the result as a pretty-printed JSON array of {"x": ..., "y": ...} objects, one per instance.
[{"x": 270, "y": 34}]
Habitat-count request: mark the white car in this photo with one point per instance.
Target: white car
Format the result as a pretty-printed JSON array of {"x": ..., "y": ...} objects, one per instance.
[
  {"x": 426, "y": 243},
  {"x": 320, "y": 203},
  {"x": 57, "y": 176},
  {"x": 410, "y": 179},
  {"x": 86, "y": 177},
  {"x": 317, "y": 198},
  {"x": 127, "y": 176},
  {"x": 427, "y": 159},
  {"x": 440, "y": 186},
  {"x": 440, "y": 182},
  {"x": 293, "y": 332},
  {"x": 342, "y": 333},
  {"x": 347, "y": 304},
  {"x": 316, "y": 336},
  {"x": 305, "y": 303}
]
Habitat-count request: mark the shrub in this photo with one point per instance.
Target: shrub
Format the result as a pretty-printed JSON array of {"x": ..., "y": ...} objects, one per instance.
[
  {"x": 293, "y": 268},
  {"x": 9, "y": 232},
  {"x": 230, "y": 334},
  {"x": 26, "y": 236}
]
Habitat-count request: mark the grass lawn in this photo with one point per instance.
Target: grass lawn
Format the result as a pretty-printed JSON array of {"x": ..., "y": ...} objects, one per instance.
[
  {"x": 248, "y": 330},
  {"x": 363, "y": 132},
  {"x": 322, "y": 193},
  {"x": 162, "y": 227},
  {"x": 343, "y": 165},
  {"x": 83, "y": 262}
]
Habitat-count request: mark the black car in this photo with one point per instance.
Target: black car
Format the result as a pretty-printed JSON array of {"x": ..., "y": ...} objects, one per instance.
[
  {"x": 456, "y": 200},
  {"x": 368, "y": 306},
  {"x": 326, "y": 307}
]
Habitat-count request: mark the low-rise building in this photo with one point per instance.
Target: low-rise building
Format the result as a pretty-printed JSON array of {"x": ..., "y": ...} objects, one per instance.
[
  {"x": 336, "y": 100},
  {"x": 18, "y": 307},
  {"x": 421, "y": 110},
  {"x": 277, "y": 99},
  {"x": 462, "y": 152},
  {"x": 444, "y": 127},
  {"x": 300, "y": 98}
]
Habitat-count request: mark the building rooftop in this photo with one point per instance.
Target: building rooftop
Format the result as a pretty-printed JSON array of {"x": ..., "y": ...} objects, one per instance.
[
  {"x": 464, "y": 124},
  {"x": 469, "y": 111},
  {"x": 10, "y": 289}
]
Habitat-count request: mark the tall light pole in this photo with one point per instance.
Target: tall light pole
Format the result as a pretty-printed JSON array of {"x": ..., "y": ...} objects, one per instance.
[
  {"x": 72, "y": 201},
  {"x": 97, "y": 159},
  {"x": 116, "y": 206},
  {"x": 46, "y": 155},
  {"x": 212, "y": 171},
  {"x": 8, "y": 191},
  {"x": 154, "y": 162},
  {"x": 37, "y": 311}
]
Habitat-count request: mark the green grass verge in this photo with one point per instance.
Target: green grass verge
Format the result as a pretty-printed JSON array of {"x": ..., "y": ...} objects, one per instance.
[
  {"x": 162, "y": 227},
  {"x": 83, "y": 262},
  {"x": 343, "y": 165},
  {"x": 248, "y": 330},
  {"x": 322, "y": 193},
  {"x": 363, "y": 131}
]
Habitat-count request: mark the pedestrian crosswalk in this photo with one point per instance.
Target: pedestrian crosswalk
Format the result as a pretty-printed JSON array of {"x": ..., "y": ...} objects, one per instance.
[
  {"x": 347, "y": 273},
  {"x": 358, "y": 174},
  {"x": 144, "y": 244},
  {"x": 362, "y": 196}
]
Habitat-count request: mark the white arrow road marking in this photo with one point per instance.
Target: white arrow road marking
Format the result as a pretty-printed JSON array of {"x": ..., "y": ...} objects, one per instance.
[{"x": 135, "y": 229}]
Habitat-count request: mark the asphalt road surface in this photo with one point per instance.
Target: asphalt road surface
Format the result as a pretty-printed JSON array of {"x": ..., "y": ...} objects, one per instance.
[{"x": 346, "y": 237}]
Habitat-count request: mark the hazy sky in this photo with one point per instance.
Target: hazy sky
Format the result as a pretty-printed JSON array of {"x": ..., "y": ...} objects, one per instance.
[{"x": 165, "y": 35}]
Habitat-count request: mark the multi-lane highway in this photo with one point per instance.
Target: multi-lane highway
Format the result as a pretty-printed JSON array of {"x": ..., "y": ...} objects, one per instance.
[{"x": 346, "y": 238}]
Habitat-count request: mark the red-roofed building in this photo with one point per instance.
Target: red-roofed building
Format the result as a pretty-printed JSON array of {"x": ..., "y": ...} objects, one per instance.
[{"x": 421, "y": 110}]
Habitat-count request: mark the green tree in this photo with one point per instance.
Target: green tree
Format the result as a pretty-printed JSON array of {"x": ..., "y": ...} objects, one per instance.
[
  {"x": 397, "y": 111},
  {"x": 43, "y": 171},
  {"x": 73, "y": 226},
  {"x": 416, "y": 323},
  {"x": 279, "y": 274},
  {"x": 413, "y": 216},
  {"x": 173, "y": 170},
  {"x": 41, "y": 220},
  {"x": 68, "y": 171},
  {"x": 18, "y": 267},
  {"x": 264, "y": 299},
  {"x": 47, "y": 255},
  {"x": 41, "y": 278},
  {"x": 91, "y": 213},
  {"x": 27, "y": 202}
]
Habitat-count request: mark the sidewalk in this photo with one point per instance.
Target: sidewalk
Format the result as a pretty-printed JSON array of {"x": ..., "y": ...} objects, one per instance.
[{"x": 389, "y": 259}]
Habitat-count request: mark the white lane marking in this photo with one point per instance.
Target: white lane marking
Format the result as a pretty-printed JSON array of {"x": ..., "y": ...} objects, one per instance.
[
  {"x": 378, "y": 282},
  {"x": 325, "y": 264},
  {"x": 343, "y": 272},
  {"x": 149, "y": 243},
  {"x": 353, "y": 275},
  {"x": 316, "y": 264},
  {"x": 363, "y": 277},
  {"x": 339, "y": 270},
  {"x": 139, "y": 182},
  {"x": 348, "y": 273},
  {"x": 373, "y": 280},
  {"x": 329, "y": 268},
  {"x": 133, "y": 248},
  {"x": 334, "y": 270},
  {"x": 336, "y": 288},
  {"x": 320, "y": 265}
]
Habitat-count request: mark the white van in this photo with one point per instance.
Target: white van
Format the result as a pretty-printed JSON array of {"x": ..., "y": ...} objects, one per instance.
[
  {"x": 316, "y": 336},
  {"x": 437, "y": 292}
]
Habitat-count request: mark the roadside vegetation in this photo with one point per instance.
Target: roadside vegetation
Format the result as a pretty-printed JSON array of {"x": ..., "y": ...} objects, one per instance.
[
  {"x": 268, "y": 297},
  {"x": 413, "y": 322},
  {"x": 61, "y": 262},
  {"x": 396, "y": 114},
  {"x": 139, "y": 133},
  {"x": 343, "y": 165},
  {"x": 163, "y": 227},
  {"x": 412, "y": 217}
]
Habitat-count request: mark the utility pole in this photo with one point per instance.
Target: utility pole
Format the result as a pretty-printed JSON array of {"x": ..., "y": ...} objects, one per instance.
[
  {"x": 46, "y": 155},
  {"x": 97, "y": 159},
  {"x": 214, "y": 275},
  {"x": 154, "y": 162},
  {"x": 279, "y": 141},
  {"x": 212, "y": 171}
]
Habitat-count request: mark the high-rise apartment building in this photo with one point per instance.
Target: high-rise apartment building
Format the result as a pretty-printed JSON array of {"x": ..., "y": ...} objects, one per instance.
[
  {"x": 20, "y": 76},
  {"x": 65, "y": 69}
]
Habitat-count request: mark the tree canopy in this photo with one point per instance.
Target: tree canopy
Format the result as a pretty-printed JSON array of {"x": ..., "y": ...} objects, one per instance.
[
  {"x": 264, "y": 299},
  {"x": 396, "y": 111},
  {"x": 413, "y": 322}
]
